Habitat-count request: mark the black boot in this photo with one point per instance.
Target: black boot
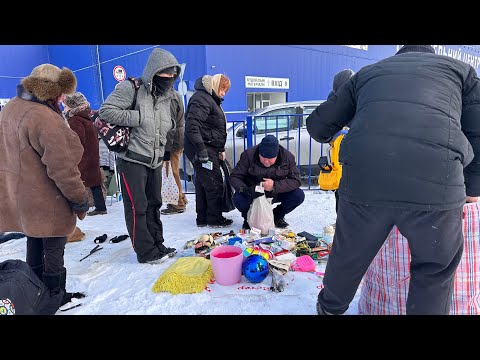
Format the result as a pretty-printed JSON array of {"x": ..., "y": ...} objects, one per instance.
[
  {"x": 52, "y": 281},
  {"x": 67, "y": 297},
  {"x": 56, "y": 283}
]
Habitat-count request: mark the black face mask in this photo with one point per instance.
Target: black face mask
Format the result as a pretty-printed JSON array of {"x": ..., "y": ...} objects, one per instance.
[{"x": 162, "y": 84}]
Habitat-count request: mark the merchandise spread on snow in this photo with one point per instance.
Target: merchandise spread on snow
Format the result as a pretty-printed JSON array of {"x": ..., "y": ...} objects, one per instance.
[{"x": 284, "y": 249}]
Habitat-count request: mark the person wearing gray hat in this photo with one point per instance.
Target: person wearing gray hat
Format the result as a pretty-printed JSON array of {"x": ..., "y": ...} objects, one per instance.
[
  {"x": 410, "y": 159},
  {"x": 341, "y": 78},
  {"x": 77, "y": 112}
]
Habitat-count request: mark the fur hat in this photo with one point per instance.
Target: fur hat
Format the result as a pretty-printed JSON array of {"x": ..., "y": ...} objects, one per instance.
[
  {"x": 268, "y": 147},
  {"x": 75, "y": 100},
  {"x": 47, "y": 82},
  {"x": 341, "y": 78}
]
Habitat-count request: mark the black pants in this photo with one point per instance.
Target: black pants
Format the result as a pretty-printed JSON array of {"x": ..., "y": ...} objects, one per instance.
[
  {"x": 98, "y": 199},
  {"x": 209, "y": 190},
  {"x": 436, "y": 244},
  {"x": 142, "y": 200},
  {"x": 48, "y": 251},
  {"x": 289, "y": 201}
]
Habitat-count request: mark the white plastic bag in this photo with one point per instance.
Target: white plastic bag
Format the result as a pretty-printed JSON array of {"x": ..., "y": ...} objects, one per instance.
[
  {"x": 260, "y": 214},
  {"x": 169, "y": 186}
]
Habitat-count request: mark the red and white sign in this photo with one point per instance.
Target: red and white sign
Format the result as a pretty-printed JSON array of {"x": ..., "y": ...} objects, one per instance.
[{"x": 119, "y": 73}]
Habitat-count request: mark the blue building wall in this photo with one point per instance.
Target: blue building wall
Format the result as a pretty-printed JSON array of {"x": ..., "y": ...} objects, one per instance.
[
  {"x": 97, "y": 82},
  {"x": 16, "y": 62},
  {"x": 310, "y": 68},
  {"x": 82, "y": 60},
  {"x": 134, "y": 58}
]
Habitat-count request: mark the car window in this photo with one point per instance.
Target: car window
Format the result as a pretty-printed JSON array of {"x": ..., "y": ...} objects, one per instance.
[
  {"x": 267, "y": 122},
  {"x": 309, "y": 109}
]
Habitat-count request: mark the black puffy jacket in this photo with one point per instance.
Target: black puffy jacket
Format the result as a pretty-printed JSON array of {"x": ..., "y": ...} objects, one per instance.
[
  {"x": 205, "y": 122},
  {"x": 414, "y": 127}
]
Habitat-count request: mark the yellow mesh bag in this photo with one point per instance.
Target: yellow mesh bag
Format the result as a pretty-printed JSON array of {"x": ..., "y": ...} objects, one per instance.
[{"x": 187, "y": 275}]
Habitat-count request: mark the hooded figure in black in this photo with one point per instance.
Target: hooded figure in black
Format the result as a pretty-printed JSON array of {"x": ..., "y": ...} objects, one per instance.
[
  {"x": 205, "y": 137},
  {"x": 410, "y": 159}
]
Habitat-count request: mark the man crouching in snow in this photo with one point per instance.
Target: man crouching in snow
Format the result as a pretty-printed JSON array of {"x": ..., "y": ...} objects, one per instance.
[
  {"x": 274, "y": 167},
  {"x": 40, "y": 186}
]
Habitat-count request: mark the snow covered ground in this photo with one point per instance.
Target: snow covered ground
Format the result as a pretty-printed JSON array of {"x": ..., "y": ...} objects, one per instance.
[{"x": 116, "y": 284}]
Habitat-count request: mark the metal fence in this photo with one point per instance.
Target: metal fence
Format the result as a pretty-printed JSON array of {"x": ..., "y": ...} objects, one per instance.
[{"x": 292, "y": 134}]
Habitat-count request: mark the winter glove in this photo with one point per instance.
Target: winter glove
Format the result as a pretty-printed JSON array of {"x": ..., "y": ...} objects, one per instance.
[
  {"x": 202, "y": 156},
  {"x": 100, "y": 239},
  {"x": 79, "y": 209},
  {"x": 117, "y": 239},
  {"x": 166, "y": 156},
  {"x": 250, "y": 192}
]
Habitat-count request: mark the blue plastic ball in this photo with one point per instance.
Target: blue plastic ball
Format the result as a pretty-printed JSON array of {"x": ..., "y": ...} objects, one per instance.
[{"x": 255, "y": 268}]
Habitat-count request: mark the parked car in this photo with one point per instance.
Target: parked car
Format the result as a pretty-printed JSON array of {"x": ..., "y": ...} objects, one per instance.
[
  {"x": 285, "y": 117},
  {"x": 287, "y": 122}
]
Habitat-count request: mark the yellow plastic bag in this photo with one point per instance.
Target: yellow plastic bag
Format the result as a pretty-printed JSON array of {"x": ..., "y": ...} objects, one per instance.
[{"x": 187, "y": 275}]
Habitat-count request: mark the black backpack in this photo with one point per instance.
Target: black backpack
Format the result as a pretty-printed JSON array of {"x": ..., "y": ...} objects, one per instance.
[
  {"x": 23, "y": 293},
  {"x": 115, "y": 137}
]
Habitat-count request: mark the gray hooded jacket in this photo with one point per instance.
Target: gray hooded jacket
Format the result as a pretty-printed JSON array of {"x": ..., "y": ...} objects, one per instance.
[{"x": 152, "y": 118}]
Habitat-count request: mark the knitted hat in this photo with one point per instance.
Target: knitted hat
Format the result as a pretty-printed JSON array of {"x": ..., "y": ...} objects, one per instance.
[
  {"x": 75, "y": 100},
  {"x": 268, "y": 148},
  {"x": 341, "y": 78},
  {"x": 417, "y": 48},
  {"x": 47, "y": 82}
]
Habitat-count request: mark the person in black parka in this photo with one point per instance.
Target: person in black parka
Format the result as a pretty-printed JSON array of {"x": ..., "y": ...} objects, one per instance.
[
  {"x": 205, "y": 138},
  {"x": 410, "y": 159}
]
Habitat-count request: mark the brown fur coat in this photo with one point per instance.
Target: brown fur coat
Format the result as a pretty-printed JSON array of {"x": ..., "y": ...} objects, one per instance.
[{"x": 38, "y": 170}]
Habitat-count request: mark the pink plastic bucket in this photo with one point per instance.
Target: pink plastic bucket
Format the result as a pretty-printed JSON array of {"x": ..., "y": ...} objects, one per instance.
[{"x": 227, "y": 264}]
